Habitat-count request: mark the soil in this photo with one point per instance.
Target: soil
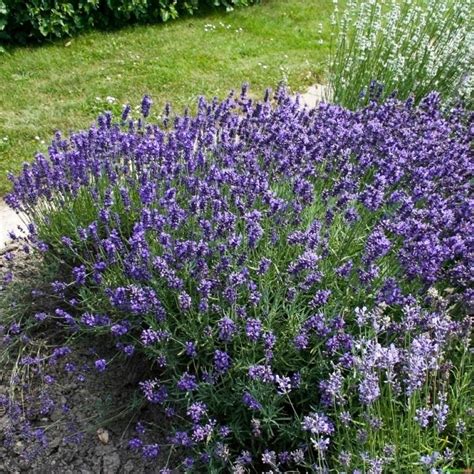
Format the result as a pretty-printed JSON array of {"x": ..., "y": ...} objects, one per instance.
[{"x": 95, "y": 407}]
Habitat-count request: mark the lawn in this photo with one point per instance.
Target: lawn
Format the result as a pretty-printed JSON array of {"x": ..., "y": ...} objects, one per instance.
[{"x": 65, "y": 84}]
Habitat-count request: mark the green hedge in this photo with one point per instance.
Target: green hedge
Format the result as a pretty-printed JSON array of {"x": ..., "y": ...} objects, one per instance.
[{"x": 26, "y": 20}]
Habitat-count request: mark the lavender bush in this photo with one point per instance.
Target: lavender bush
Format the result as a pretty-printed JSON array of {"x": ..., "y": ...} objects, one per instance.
[
  {"x": 296, "y": 281},
  {"x": 413, "y": 47}
]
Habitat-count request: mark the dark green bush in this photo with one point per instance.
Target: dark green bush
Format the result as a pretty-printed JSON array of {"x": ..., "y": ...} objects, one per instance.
[{"x": 26, "y": 20}]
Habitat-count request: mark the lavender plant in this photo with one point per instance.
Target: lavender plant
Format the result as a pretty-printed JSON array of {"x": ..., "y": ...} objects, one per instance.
[
  {"x": 296, "y": 281},
  {"x": 411, "y": 47}
]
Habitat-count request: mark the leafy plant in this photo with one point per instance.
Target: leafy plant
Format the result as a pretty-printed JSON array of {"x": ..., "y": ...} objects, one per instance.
[{"x": 22, "y": 21}]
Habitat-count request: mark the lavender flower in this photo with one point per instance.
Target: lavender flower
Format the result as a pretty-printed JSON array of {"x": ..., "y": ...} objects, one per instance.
[
  {"x": 196, "y": 411},
  {"x": 135, "y": 443},
  {"x": 187, "y": 382},
  {"x": 262, "y": 373},
  {"x": 227, "y": 329},
  {"x": 150, "y": 451},
  {"x": 318, "y": 423},
  {"x": 423, "y": 416},
  {"x": 369, "y": 389},
  {"x": 79, "y": 274},
  {"x": 320, "y": 298},
  {"x": 153, "y": 391},
  {"x": 284, "y": 384},
  {"x": 100, "y": 365},
  {"x": 460, "y": 426},
  {"x": 332, "y": 388},
  {"x": 321, "y": 444},
  {"x": 190, "y": 348},
  {"x": 440, "y": 412},
  {"x": 184, "y": 301},
  {"x": 253, "y": 329},
  {"x": 269, "y": 457},
  {"x": 264, "y": 266},
  {"x": 251, "y": 402},
  {"x": 146, "y": 106},
  {"x": 222, "y": 361},
  {"x": 377, "y": 246}
]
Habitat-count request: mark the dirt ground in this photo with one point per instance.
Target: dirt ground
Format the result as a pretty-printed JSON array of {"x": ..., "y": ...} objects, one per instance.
[{"x": 95, "y": 410}]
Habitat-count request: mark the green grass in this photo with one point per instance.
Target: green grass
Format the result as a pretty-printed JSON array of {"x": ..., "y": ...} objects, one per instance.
[{"x": 57, "y": 86}]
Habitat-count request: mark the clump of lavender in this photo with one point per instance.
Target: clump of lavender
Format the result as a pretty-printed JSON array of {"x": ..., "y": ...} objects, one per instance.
[
  {"x": 283, "y": 273},
  {"x": 410, "y": 47}
]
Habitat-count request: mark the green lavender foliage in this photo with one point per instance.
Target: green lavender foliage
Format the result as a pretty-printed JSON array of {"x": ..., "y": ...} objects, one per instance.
[{"x": 407, "y": 46}]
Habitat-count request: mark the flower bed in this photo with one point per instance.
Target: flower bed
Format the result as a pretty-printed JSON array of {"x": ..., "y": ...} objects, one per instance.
[{"x": 295, "y": 281}]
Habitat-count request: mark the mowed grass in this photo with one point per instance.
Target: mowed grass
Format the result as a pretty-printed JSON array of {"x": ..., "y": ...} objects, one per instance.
[{"x": 63, "y": 85}]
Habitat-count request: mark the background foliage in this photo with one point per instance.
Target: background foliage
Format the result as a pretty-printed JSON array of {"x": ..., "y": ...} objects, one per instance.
[{"x": 21, "y": 21}]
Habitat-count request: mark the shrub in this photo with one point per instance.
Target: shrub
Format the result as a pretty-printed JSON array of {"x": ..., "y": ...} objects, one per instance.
[
  {"x": 296, "y": 281},
  {"x": 411, "y": 47},
  {"x": 21, "y": 20}
]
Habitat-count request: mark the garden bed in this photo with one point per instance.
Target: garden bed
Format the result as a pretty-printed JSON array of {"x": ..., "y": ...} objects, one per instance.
[
  {"x": 294, "y": 283},
  {"x": 92, "y": 419}
]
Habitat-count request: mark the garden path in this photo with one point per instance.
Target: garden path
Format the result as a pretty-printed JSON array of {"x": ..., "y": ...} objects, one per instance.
[
  {"x": 9, "y": 220},
  {"x": 314, "y": 95}
]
